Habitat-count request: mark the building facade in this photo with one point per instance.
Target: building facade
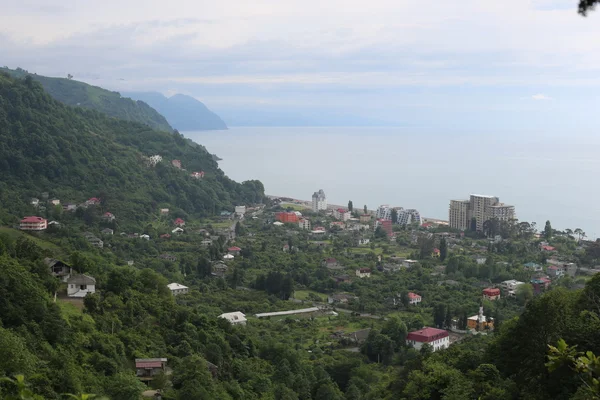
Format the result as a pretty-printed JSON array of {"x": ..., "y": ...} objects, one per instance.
[
  {"x": 438, "y": 339},
  {"x": 408, "y": 217},
  {"x": 342, "y": 214},
  {"x": 33, "y": 224},
  {"x": 384, "y": 212},
  {"x": 319, "y": 201},
  {"x": 482, "y": 208}
]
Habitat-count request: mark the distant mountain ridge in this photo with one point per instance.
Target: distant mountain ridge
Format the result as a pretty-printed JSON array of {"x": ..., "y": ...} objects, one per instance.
[
  {"x": 184, "y": 113},
  {"x": 75, "y": 93}
]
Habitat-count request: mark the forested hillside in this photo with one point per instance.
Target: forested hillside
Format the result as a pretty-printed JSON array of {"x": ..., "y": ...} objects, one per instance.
[
  {"x": 75, "y": 93},
  {"x": 75, "y": 154}
]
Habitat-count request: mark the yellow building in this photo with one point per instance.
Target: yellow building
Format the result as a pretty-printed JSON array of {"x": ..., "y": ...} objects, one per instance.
[{"x": 479, "y": 322}]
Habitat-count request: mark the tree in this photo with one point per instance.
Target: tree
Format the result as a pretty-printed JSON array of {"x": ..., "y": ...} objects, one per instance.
[
  {"x": 524, "y": 293},
  {"x": 580, "y": 233},
  {"x": 586, "y": 365},
  {"x": 587, "y": 5},
  {"x": 548, "y": 230},
  {"x": 350, "y": 206},
  {"x": 123, "y": 386},
  {"x": 396, "y": 330},
  {"x": 394, "y": 216},
  {"x": 365, "y": 209},
  {"x": 443, "y": 249}
]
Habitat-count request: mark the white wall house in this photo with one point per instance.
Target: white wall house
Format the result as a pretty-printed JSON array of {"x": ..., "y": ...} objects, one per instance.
[
  {"x": 240, "y": 210},
  {"x": 384, "y": 212},
  {"x": 438, "y": 339},
  {"x": 304, "y": 223},
  {"x": 80, "y": 285},
  {"x": 319, "y": 201},
  {"x": 363, "y": 273},
  {"x": 414, "y": 298},
  {"x": 235, "y": 318},
  {"x": 177, "y": 288},
  {"x": 342, "y": 214}
]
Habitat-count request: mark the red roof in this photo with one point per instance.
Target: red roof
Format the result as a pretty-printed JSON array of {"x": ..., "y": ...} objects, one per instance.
[
  {"x": 165, "y": 235},
  {"x": 234, "y": 248},
  {"x": 179, "y": 221},
  {"x": 427, "y": 335},
  {"x": 412, "y": 295},
  {"x": 94, "y": 199},
  {"x": 548, "y": 248},
  {"x": 553, "y": 267},
  {"x": 107, "y": 214},
  {"x": 341, "y": 210},
  {"x": 426, "y": 225},
  {"x": 148, "y": 364},
  {"x": 436, "y": 250},
  {"x": 491, "y": 291},
  {"x": 319, "y": 228},
  {"x": 33, "y": 219}
]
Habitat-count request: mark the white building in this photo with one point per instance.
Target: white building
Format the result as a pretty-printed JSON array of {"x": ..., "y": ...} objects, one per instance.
[
  {"x": 153, "y": 160},
  {"x": 177, "y": 288},
  {"x": 342, "y": 214},
  {"x": 80, "y": 285},
  {"x": 414, "y": 298},
  {"x": 319, "y": 201},
  {"x": 384, "y": 212},
  {"x": 409, "y": 263},
  {"x": 235, "y": 318},
  {"x": 363, "y": 272},
  {"x": 480, "y": 207},
  {"x": 438, "y": 339},
  {"x": 510, "y": 286},
  {"x": 304, "y": 223},
  {"x": 363, "y": 241},
  {"x": 409, "y": 216},
  {"x": 240, "y": 211}
]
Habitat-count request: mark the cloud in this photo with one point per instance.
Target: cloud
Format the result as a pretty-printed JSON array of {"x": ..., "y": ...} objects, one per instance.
[{"x": 539, "y": 97}]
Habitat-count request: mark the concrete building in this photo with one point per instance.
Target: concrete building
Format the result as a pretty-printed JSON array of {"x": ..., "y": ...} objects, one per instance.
[
  {"x": 235, "y": 318},
  {"x": 491, "y": 294},
  {"x": 480, "y": 207},
  {"x": 80, "y": 285},
  {"x": 304, "y": 223},
  {"x": 438, "y": 339},
  {"x": 459, "y": 214},
  {"x": 342, "y": 214},
  {"x": 33, "y": 223},
  {"x": 413, "y": 298},
  {"x": 408, "y": 217},
  {"x": 319, "y": 201},
  {"x": 384, "y": 212},
  {"x": 177, "y": 288}
]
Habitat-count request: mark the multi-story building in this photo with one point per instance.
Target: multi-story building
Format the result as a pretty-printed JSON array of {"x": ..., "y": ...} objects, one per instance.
[
  {"x": 342, "y": 214},
  {"x": 304, "y": 223},
  {"x": 384, "y": 212},
  {"x": 408, "y": 217},
  {"x": 385, "y": 224},
  {"x": 438, "y": 339},
  {"x": 482, "y": 208},
  {"x": 33, "y": 224},
  {"x": 287, "y": 217},
  {"x": 319, "y": 201}
]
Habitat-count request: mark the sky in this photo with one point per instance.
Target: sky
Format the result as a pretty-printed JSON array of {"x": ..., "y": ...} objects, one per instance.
[{"x": 470, "y": 64}]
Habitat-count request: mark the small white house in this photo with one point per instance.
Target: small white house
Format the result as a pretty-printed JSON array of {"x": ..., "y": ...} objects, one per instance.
[
  {"x": 235, "y": 318},
  {"x": 177, "y": 231},
  {"x": 363, "y": 241},
  {"x": 413, "y": 298},
  {"x": 144, "y": 236},
  {"x": 240, "y": 210},
  {"x": 80, "y": 285},
  {"x": 177, "y": 288},
  {"x": 363, "y": 272},
  {"x": 228, "y": 257},
  {"x": 409, "y": 263}
]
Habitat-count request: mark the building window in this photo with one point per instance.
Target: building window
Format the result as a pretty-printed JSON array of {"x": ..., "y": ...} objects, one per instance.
[{"x": 82, "y": 287}]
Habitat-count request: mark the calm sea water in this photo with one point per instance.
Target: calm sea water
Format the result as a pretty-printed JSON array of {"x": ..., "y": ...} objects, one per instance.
[{"x": 546, "y": 177}]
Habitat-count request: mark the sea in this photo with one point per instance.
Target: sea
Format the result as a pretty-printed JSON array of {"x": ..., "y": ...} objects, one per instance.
[{"x": 545, "y": 176}]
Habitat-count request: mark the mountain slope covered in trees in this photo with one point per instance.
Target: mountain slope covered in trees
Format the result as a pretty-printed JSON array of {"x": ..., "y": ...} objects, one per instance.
[
  {"x": 183, "y": 112},
  {"x": 75, "y": 93},
  {"x": 76, "y": 153}
]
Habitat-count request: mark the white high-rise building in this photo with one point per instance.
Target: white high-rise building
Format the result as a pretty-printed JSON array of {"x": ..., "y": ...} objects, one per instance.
[
  {"x": 408, "y": 217},
  {"x": 384, "y": 212},
  {"x": 319, "y": 201}
]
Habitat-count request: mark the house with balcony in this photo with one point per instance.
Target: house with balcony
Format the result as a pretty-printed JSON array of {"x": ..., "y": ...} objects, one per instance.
[
  {"x": 146, "y": 369},
  {"x": 438, "y": 339},
  {"x": 33, "y": 223},
  {"x": 80, "y": 285}
]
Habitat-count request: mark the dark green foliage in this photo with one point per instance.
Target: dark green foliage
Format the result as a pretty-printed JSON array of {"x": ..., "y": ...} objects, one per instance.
[{"x": 79, "y": 94}]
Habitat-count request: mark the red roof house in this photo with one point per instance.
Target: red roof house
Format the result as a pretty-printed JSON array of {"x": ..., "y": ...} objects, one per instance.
[
  {"x": 548, "y": 248},
  {"x": 234, "y": 250},
  {"x": 93, "y": 201},
  {"x": 413, "y": 298},
  {"x": 179, "y": 222},
  {"x": 33, "y": 224},
  {"x": 165, "y": 236},
  {"x": 491, "y": 293},
  {"x": 108, "y": 216},
  {"x": 287, "y": 217},
  {"x": 437, "y": 338}
]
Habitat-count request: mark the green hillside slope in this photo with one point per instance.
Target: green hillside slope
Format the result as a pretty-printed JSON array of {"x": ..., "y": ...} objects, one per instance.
[
  {"x": 75, "y": 93},
  {"x": 75, "y": 154}
]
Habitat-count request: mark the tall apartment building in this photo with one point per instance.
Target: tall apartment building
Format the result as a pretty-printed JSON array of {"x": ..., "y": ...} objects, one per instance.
[
  {"x": 480, "y": 207},
  {"x": 408, "y": 217},
  {"x": 384, "y": 212},
  {"x": 319, "y": 201}
]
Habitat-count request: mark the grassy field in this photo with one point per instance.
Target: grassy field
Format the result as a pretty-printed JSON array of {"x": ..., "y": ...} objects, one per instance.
[
  {"x": 15, "y": 234},
  {"x": 295, "y": 207},
  {"x": 303, "y": 295},
  {"x": 366, "y": 250}
]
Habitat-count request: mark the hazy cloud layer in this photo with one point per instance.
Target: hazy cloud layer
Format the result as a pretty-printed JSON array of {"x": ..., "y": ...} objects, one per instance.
[{"x": 391, "y": 60}]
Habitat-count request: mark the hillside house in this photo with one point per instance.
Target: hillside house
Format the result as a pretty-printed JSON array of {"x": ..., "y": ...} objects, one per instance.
[
  {"x": 58, "y": 268},
  {"x": 479, "y": 322},
  {"x": 55, "y": 202},
  {"x": 342, "y": 279},
  {"x": 304, "y": 223},
  {"x": 409, "y": 263},
  {"x": 540, "y": 285},
  {"x": 337, "y": 225},
  {"x": 80, "y": 285},
  {"x": 480, "y": 260},
  {"x": 164, "y": 211},
  {"x": 341, "y": 298},
  {"x": 54, "y": 224},
  {"x": 165, "y": 236},
  {"x": 342, "y": 214},
  {"x": 153, "y": 160},
  {"x": 33, "y": 223},
  {"x": 206, "y": 242},
  {"x": 177, "y": 288},
  {"x": 438, "y": 339},
  {"x": 108, "y": 217},
  {"x": 35, "y": 201},
  {"x": 94, "y": 201},
  {"x": 228, "y": 257},
  {"x": 234, "y": 318},
  {"x": 107, "y": 231},
  {"x": 146, "y": 369},
  {"x": 177, "y": 231},
  {"x": 287, "y": 217},
  {"x": 176, "y": 163},
  {"x": 435, "y": 253},
  {"x": 491, "y": 294},
  {"x": 533, "y": 267},
  {"x": 555, "y": 271},
  {"x": 365, "y": 218},
  {"x": 197, "y": 175},
  {"x": 168, "y": 257},
  {"x": 219, "y": 270},
  {"x": 145, "y": 237},
  {"x": 179, "y": 222},
  {"x": 240, "y": 211},
  {"x": 414, "y": 298},
  {"x": 359, "y": 336},
  {"x": 363, "y": 272},
  {"x": 364, "y": 241},
  {"x": 547, "y": 248},
  {"x": 69, "y": 207},
  {"x": 510, "y": 286},
  {"x": 234, "y": 250},
  {"x": 95, "y": 241}
]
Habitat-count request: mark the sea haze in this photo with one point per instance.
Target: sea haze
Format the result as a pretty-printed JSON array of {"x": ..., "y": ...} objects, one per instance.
[{"x": 546, "y": 177}]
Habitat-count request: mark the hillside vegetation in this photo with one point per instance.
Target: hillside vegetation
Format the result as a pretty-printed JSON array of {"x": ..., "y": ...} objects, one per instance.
[
  {"x": 183, "y": 112},
  {"x": 75, "y": 153},
  {"x": 75, "y": 93}
]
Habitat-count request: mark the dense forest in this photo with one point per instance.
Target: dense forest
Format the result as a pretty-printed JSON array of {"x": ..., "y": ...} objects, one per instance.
[
  {"x": 78, "y": 94},
  {"x": 75, "y": 154}
]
